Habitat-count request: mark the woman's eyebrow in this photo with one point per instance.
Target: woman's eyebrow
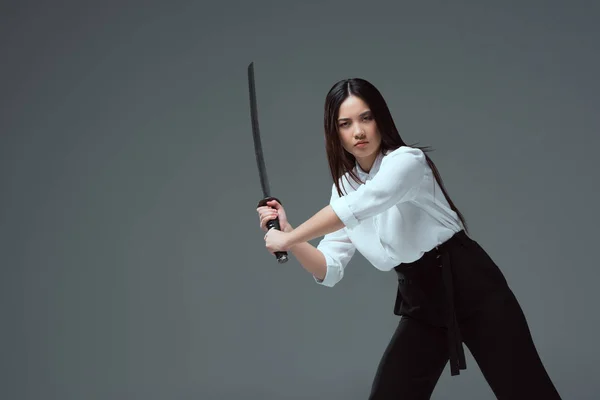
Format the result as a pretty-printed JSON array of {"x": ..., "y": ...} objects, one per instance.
[{"x": 361, "y": 115}]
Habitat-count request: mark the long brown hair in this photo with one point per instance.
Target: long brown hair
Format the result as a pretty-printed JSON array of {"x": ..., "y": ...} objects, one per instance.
[{"x": 340, "y": 160}]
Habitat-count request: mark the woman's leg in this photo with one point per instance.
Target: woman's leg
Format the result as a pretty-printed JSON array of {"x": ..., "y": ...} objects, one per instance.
[
  {"x": 500, "y": 341},
  {"x": 412, "y": 362}
]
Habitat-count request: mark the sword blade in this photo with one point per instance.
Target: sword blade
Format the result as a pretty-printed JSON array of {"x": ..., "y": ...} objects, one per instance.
[{"x": 260, "y": 160}]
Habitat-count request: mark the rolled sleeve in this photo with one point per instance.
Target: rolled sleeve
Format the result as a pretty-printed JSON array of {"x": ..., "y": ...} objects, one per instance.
[
  {"x": 399, "y": 176},
  {"x": 338, "y": 250},
  {"x": 333, "y": 275}
]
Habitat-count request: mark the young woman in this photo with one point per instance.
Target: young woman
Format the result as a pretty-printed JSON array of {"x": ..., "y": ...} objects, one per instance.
[{"x": 395, "y": 211}]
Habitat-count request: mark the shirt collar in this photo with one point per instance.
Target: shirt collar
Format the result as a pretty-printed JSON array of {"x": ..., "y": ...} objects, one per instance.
[{"x": 363, "y": 175}]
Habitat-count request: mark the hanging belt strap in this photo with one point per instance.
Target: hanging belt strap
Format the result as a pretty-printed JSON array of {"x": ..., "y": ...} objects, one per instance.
[{"x": 455, "y": 348}]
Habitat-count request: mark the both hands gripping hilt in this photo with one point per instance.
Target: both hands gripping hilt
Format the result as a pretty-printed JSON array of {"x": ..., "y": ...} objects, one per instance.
[{"x": 282, "y": 256}]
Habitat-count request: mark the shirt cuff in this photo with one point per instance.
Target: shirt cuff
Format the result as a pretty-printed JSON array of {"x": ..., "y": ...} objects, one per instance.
[
  {"x": 332, "y": 275},
  {"x": 343, "y": 211}
]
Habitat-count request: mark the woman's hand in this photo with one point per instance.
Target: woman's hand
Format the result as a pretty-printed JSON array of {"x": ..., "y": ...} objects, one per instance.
[
  {"x": 271, "y": 211},
  {"x": 276, "y": 240}
]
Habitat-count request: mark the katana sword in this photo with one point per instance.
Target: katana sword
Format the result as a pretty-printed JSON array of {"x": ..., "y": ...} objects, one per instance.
[{"x": 282, "y": 256}]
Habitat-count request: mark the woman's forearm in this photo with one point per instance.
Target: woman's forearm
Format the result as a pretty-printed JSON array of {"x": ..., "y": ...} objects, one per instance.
[
  {"x": 311, "y": 258},
  {"x": 320, "y": 224}
]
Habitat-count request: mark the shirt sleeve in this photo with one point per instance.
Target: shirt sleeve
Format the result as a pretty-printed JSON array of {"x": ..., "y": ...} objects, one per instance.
[
  {"x": 400, "y": 173},
  {"x": 338, "y": 251}
]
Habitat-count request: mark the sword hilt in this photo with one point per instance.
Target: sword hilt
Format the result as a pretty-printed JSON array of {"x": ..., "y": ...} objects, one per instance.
[{"x": 282, "y": 256}]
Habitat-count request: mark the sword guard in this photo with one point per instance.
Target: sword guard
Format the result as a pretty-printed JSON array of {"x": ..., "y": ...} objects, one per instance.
[
  {"x": 282, "y": 256},
  {"x": 264, "y": 201}
]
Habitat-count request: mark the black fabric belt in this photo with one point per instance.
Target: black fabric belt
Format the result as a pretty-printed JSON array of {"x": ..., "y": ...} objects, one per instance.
[{"x": 439, "y": 257}]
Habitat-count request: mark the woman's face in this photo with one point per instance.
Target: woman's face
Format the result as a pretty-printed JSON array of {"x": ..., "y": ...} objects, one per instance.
[{"x": 358, "y": 131}]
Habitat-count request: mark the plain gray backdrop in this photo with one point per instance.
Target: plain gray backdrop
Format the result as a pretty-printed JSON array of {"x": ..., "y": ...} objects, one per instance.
[{"x": 132, "y": 263}]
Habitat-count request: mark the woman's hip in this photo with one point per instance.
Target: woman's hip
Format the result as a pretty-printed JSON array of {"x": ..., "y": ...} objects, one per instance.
[{"x": 459, "y": 270}]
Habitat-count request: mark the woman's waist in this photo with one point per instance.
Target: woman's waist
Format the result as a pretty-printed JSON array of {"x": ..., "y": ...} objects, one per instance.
[
  {"x": 433, "y": 257},
  {"x": 388, "y": 250}
]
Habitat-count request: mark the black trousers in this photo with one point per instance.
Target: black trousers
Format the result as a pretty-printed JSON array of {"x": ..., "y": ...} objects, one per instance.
[{"x": 454, "y": 294}]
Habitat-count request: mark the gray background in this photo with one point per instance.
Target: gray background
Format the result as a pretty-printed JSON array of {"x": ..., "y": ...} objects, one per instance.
[{"x": 132, "y": 263}]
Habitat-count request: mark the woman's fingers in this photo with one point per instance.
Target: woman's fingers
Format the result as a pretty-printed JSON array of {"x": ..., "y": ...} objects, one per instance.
[
  {"x": 274, "y": 204},
  {"x": 265, "y": 216}
]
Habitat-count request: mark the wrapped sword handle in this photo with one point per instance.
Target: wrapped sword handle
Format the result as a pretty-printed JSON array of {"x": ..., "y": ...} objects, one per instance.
[{"x": 282, "y": 256}]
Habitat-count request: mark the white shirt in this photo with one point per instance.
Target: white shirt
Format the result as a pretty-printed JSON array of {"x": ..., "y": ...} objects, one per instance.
[{"x": 397, "y": 215}]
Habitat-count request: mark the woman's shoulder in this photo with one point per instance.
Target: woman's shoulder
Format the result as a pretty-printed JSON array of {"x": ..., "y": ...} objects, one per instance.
[
  {"x": 404, "y": 154},
  {"x": 404, "y": 151}
]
